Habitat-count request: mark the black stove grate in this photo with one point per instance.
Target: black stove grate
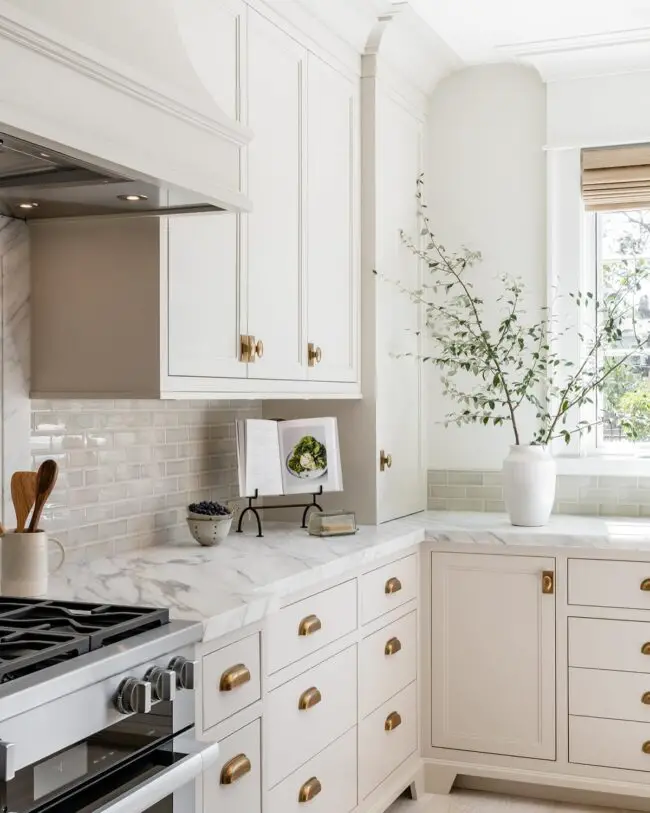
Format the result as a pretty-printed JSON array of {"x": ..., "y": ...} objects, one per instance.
[{"x": 23, "y": 651}]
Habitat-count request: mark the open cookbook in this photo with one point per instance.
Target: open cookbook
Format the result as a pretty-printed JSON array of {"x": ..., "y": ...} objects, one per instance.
[{"x": 288, "y": 457}]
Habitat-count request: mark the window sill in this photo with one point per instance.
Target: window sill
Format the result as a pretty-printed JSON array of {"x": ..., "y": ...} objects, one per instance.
[{"x": 604, "y": 465}]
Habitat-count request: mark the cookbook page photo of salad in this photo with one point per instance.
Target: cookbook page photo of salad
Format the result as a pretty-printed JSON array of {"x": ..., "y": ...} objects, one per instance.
[{"x": 310, "y": 455}]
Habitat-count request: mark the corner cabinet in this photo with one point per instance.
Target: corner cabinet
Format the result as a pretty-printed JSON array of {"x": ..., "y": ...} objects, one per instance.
[
  {"x": 264, "y": 304},
  {"x": 493, "y": 654}
]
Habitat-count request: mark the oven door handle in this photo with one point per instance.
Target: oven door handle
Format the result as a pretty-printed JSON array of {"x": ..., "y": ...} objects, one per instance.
[{"x": 200, "y": 757}]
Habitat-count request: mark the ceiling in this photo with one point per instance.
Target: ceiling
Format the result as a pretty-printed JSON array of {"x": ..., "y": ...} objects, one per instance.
[{"x": 560, "y": 37}]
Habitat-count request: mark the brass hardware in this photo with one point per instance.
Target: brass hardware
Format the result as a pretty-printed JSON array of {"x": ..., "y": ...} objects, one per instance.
[
  {"x": 645, "y": 699},
  {"x": 646, "y": 747},
  {"x": 645, "y": 649},
  {"x": 235, "y": 768},
  {"x": 234, "y": 677},
  {"x": 393, "y": 585},
  {"x": 311, "y": 788},
  {"x": 309, "y": 698},
  {"x": 393, "y": 721},
  {"x": 309, "y": 625},
  {"x": 258, "y": 349},
  {"x": 548, "y": 582},
  {"x": 385, "y": 460},
  {"x": 246, "y": 352},
  {"x": 393, "y": 646},
  {"x": 645, "y": 585},
  {"x": 314, "y": 355}
]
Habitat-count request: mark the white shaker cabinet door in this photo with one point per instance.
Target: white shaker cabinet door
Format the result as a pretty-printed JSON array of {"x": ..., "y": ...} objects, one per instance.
[
  {"x": 492, "y": 654},
  {"x": 276, "y": 291},
  {"x": 205, "y": 313},
  {"x": 332, "y": 216}
]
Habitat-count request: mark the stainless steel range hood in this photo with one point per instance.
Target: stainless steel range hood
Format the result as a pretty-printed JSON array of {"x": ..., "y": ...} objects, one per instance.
[{"x": 39, "y": 182}]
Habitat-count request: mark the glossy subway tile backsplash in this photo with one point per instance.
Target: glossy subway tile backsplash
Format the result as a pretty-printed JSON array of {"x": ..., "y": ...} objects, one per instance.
[{"x": 128, "y": 469}]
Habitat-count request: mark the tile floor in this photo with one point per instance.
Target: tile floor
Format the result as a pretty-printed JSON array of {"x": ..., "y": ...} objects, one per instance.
[{"x": 467, "y": 801}]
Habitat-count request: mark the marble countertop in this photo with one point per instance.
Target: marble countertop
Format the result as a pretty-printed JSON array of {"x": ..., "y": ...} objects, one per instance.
[{"x": 245, "y": 578}]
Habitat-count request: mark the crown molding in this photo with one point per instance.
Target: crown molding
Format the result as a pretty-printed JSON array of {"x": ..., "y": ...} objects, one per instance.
[{"x": 580, "y": 43}]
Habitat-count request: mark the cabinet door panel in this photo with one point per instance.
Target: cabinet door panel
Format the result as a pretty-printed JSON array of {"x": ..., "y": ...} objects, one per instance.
[
  {"x": 332, "y": 266},
  {"x": 275, "y": 157},
  {"x": 204, "y": 307},
  {"x": 492, "y": 655}
]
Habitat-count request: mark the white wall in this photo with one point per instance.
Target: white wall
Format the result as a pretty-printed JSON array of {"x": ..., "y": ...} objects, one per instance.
[{"x": 486, "y": 188}]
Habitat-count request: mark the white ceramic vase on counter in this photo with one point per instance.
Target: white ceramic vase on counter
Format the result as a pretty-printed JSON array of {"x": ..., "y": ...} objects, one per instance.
[{"x": 529, "y": 476}]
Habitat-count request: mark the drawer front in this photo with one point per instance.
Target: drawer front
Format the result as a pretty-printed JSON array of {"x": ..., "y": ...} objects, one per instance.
[
  {"x": 381, "y": 751},
  {"x": 387, "y": 662},
  {"x": 388, "y": 587},
  {"x": 309, "y": 712},
  {"x": 597, "y": 643},
  {"x": 235, "y": 782},
  {"x": 600, "y": 583},
  {"x": 304, "y": 627},
  {"x": 335, "y": 773},
  {"x": 609, "y": 743},
  {"x": 614, "y": 695},
  {"x": 231, "y": 680}
]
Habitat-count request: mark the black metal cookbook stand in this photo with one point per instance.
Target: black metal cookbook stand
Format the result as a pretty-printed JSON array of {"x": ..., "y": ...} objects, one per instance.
[{"x": 255, "y": 510}]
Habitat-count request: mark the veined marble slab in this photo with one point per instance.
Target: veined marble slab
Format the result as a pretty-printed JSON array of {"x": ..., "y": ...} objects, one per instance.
[{"x": 245, "y": 578}]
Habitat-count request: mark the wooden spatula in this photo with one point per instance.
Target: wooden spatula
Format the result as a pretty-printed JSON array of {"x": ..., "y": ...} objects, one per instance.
[
  {"x": 45, "y": 481},
  {"x": 23, "y": 494}
]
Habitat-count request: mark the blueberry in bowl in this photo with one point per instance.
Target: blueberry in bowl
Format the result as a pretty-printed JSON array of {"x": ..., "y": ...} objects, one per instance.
[{"x": 209, "y": 522}]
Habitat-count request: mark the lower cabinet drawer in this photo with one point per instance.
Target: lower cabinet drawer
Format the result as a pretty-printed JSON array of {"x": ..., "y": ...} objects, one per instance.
[
  {"x": 388, "y": 587},
  {"x": 387, "y": 662},
  {"x": 309, "y": 712},
  {"x": 326, "y": 784},
  {"x": 614, "y": 695},
  {"x": 598, "y": 643},
  {"x": 231, "y": 680},
  {"x": 386, "y": 738},
  {"x": 235, "y": 783},
  {"x": 609, "y": 743}
]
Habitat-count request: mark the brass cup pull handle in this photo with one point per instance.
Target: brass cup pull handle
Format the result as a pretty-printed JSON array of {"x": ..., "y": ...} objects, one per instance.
[
  {"x": 393, "y": 646},
  {"x": 393, "y": 585},
  {"x": 234, "y": 677},
  {"x": 548, "y": 582},
  {"x": 393, "y": 721},
  {"x": 311, "y": 788},
  {"x": 385, "y": 460},
  {"x": 309, "y": 625},
  {"x": 646, "y": 747},
  {"x": 259, "y": 349},
  {"x": 645, "y": 698},
  {"x": 645, "y": 586},
  {"x": 645, "y": 649},
  {"x": 235, "y": 768},
  {"x": 309, "y": 698}
]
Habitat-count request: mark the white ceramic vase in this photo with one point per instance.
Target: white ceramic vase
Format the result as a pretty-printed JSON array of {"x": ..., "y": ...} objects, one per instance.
[{"x": 529, "y": 485}]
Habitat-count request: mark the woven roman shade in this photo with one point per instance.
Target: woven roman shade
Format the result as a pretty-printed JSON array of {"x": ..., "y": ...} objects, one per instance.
[{"x": 616, "y": 178}]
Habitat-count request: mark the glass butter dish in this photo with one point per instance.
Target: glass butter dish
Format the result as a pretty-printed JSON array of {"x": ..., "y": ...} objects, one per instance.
[{"x": 332, "y": 523}]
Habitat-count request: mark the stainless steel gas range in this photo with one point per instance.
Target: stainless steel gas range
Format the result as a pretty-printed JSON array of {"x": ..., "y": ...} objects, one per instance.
[{"x": 97, "y": 710}]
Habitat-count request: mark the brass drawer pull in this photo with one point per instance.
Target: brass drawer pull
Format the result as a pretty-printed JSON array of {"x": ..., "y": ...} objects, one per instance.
[
  {"x": 234, "y": 769},
  {"x": 309, "y": 698},
  {"x": 645, "y": 649},
  {"x": 548, "y": 582},
  {"x": 645, "y": 585},
  {"x": 646, "y": 747},
  {"x": 393, "y": 721},
  {"x": 309, "y": 625},
  {"x": 645, "y": 698},
  {"x": 311, "y": 788},
  {"x": 393, "y": 585},
  {"x": 234, "y": 677},
  {"x": 393, "y": 646}
]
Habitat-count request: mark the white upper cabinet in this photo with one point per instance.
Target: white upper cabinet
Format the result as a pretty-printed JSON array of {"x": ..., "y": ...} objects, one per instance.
[
  {"x": 276, "y": 101},
  {"x": 332, "y": 215}
]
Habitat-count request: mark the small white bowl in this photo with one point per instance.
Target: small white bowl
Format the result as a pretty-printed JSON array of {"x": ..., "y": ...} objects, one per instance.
[{"x": 209, "y": 531}]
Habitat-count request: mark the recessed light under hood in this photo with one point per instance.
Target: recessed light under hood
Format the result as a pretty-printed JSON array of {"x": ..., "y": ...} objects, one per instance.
[{"x": 39, "y": 182}]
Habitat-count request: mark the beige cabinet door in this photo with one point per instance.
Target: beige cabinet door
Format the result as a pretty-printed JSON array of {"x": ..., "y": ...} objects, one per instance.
[{"x": 492, "y": 655}]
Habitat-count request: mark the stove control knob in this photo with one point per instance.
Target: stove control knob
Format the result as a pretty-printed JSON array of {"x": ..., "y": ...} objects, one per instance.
[
  {"x": 133, "y": 696},
  {"x": 163, "y": 683},
  {"x": 185, "y": 671}
]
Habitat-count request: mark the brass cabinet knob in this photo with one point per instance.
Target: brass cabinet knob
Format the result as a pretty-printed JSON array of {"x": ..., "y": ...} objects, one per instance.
[
  {"x": 393, "y": 585},
  {"x": 235, "y": 768},
  {"x": 311, "y": 788},
  {"x": 548, "y": 582},
  {"x": 645, "y": 698},
  {"x": 385, "y": 460},
  {"x": 259, "y": 349},
  {"x": 393, "y": 646},
  {"x": 309, "y": 625},
  {"x": 646, "y": 747},
  {"x": 314, "y": 354},
  {"x": 645, "y": 585},
  {"x": 234, "y": 677},
  {"x": 309, "y": 698},
  {"x": 393, "y": 721},
  {"x": 645, "y": 649}
]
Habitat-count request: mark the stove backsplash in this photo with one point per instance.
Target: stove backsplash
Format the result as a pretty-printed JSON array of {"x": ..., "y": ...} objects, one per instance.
[{"x": 128, "y": 469}]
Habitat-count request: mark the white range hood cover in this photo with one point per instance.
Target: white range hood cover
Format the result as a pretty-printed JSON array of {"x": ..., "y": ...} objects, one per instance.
[{"x": 132, "y": 84}]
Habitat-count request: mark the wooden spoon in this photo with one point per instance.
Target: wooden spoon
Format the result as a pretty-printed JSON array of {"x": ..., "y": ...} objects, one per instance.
[
  {"x": 23, "y": 494},
  {"x": 45, "y": 481}
]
